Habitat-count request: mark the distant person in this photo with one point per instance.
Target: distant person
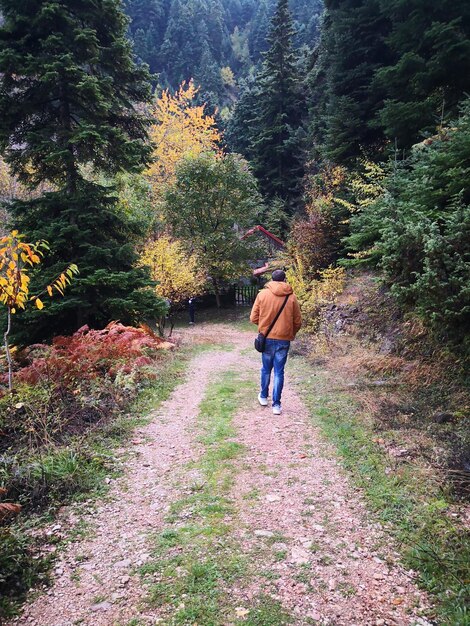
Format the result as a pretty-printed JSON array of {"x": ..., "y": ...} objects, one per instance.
[
  {"x": 268, "y": 303},
  {"x": 169, "y": 316},
  {"x": 192, "y": 310}
]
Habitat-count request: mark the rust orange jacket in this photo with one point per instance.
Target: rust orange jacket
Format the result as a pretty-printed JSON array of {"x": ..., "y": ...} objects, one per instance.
[{"x": 267, "y": 304}]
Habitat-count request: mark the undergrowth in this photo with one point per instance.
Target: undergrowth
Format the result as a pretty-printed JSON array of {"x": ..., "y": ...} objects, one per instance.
[
  {"x": 410, "y": 504},
  {"x": 47, "y": 472}
]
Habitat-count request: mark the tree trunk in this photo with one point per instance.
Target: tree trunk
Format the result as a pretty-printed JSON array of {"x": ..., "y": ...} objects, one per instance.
[
  {"x": 7, "y": 351},
  {"x": 217, "y": 292}
]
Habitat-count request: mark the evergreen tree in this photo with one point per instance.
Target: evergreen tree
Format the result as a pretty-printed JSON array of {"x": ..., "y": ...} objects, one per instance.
[
  {"x": 276, "y": 146},
  {"x": 418, "y": 229},
  {"x": 258, "y": 39},
  {"x": 69, "y": 91},
  {"x": 429, "y": 72},
  {"x": 147, "y": 28},
  {"x": 343, "y": 103},
  {"x": 307, "y": 20},
  {"x": 209, "y": 78},
  {"x": 241, "y": 126},
  {"x": 183, "y": 41},
  {"x": 172, "y": 35}
]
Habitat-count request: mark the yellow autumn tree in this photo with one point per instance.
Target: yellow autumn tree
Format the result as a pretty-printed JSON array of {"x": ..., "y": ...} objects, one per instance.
[
  {"x": 175, "y": 271},
  {"x": 181, "y": 129},
  {"x": 17, "y": 257},
  {"x": 314, "y": 294}
]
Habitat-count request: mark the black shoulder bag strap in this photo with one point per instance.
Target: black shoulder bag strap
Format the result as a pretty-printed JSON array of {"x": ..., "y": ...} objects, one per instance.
[{"x": 277, "y": 316}]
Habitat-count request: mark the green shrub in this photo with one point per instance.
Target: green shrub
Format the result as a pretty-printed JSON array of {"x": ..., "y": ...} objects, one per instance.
[
  {"x": 52, "y": 476},
  {"x": 20, "y": 567},
  {"x": 418, "y": 230}
]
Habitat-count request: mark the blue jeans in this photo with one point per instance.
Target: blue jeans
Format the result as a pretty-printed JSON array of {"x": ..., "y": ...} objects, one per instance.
[{"x": 275, "y": 356}]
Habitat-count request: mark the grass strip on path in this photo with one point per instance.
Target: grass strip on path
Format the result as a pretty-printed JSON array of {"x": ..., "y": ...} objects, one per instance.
[
  {"x": 196, "y": 560},
  {"x": 411, "y": 508}
]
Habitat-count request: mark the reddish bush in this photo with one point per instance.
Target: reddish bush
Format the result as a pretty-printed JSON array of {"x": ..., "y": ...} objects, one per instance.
[
  {"x": 313, "y": 240},
  {"x": 89, "y": 354}
]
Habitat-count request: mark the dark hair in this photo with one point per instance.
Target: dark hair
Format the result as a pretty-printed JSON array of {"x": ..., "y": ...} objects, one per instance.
[{"x": 279, "y": 275}]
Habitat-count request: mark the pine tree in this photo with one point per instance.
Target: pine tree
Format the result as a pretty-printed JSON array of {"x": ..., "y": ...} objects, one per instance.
[
  {"x": 259, "y": 32},
  {"x": 147, "y": 29},
  {"x": 343, "y": 102},
  {"x": 429, "y": 73},
  {"x": 276, "y": 146},
  {"x": 183, "y": 41},
  {"x": 208, "y": 77},
  {"x": 241, "y": 126},
  {"x": 69, "y": 94}
]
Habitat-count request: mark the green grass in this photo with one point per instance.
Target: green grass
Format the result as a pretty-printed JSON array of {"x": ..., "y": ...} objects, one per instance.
[
  {"x": 196, "y": 557},
  {"x": 411, "y": 507},
  {"x": 238, "y": 317},
  {"x": 268, "y": 612}
]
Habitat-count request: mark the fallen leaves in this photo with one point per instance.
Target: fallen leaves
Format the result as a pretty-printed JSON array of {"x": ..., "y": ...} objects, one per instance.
[
  {"x": 241, "y": 612},
  {"x": 8, "y": 508}
]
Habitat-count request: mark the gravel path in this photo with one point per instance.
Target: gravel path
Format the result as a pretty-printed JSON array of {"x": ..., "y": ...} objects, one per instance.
[{"x": 298, "y": 513}]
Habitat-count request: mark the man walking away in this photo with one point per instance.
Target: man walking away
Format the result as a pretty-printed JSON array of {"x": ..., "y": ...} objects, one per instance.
[{"x": 267, "y": 304}]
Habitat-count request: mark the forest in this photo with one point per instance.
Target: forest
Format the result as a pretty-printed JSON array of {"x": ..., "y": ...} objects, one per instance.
[{"x": 160, "y": 153}]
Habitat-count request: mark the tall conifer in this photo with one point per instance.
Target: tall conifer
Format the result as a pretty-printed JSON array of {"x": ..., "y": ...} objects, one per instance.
[
  {"x": 69, "y": 103},
  {"x": 343, "y": 103},
  {"x": 277, "y": 138}
]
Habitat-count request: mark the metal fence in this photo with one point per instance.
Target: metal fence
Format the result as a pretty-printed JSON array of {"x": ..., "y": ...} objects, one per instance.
[{"x": 246, "y": 295}]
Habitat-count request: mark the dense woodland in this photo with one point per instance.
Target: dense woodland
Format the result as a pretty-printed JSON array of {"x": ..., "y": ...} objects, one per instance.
[
  {"x": 216, "y": 42},
  {"x": 136, "y": 150}
]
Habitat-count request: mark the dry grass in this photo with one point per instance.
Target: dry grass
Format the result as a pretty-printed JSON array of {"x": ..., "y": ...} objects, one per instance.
[{"x": 411, "y": 390}]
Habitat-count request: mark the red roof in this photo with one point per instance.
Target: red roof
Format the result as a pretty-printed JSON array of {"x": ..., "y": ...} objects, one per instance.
[{"x": 265, "y": 232}]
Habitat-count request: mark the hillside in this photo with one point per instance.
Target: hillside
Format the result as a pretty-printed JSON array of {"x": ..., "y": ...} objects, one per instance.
[{"x": 213, "y": 41}]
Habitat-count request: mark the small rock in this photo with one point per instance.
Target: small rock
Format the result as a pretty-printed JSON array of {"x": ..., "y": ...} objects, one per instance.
[
  {"x": 315, "y": 615},
  {"x": 442, "y": 417},
  {"x": 123, "y": 563},
  {"x": 272, "y": 497},
  {"x": 117, "y": 596},
  {"x": 264, "y": 533},
  {"x": 124, "y": 580},
  {"x": 88, "y": 566},
  {"x": 299, "y": 556}
]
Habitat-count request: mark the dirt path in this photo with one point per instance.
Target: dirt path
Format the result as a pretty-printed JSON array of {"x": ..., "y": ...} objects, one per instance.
[{"x": 308, "y": 540}]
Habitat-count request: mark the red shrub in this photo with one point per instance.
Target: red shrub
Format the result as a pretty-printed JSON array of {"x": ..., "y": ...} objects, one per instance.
[{"x": 89, "y": 354}]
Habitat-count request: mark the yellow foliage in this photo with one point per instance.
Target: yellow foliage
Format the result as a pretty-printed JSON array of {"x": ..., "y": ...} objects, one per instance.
[
  {"x": 323, "y": 188},
  {"x": 366, "y": 186},
  {"x": 228, "y": 77},
  {"x": 16, "y": 258},
  {"x": 181, "y": 129},
  {"x": 176, "y": 272},
  {"x": 314, "y": 294}
]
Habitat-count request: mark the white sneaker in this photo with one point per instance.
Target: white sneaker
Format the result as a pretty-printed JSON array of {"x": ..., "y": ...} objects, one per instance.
[
  {"x": 277, "y": 409},
  {"x": 262, "y": 401}
]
